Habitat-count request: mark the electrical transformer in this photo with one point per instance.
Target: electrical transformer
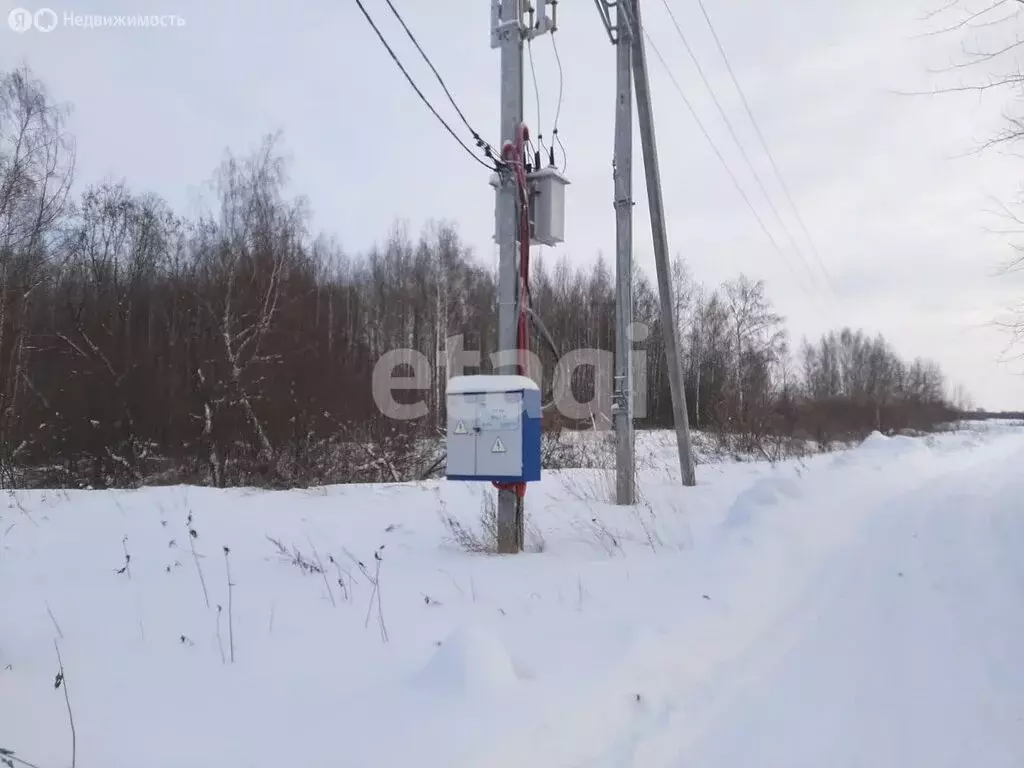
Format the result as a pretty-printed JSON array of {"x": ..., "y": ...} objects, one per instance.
[{"x": 547, "y": 205}]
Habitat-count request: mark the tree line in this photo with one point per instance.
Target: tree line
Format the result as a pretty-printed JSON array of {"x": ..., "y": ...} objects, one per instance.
[{"x": 236, "y": 346}]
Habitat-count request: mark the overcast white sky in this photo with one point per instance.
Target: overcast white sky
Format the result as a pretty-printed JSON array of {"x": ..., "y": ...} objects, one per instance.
[{"x": 897, "y": 215}]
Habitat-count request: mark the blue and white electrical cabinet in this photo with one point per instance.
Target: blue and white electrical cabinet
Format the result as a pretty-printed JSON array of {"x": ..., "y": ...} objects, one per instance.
[{"x": 494, "y": 427}]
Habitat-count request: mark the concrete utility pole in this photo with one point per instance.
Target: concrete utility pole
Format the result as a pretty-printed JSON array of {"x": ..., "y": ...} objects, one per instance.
[
  {"x": 626, "y": 33},
  {"x": 622, "y": 405},
  {"x": 509, "y": 39},
  {"x": 650, "y": 150},
  {"x": 512, "y": 22}
]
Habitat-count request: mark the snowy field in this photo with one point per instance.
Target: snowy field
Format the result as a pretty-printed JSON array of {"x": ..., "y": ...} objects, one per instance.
[{"x": 863, "y": 608}]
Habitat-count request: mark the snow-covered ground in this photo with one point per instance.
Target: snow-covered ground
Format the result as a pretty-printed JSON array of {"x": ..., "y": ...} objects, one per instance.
[{"x": 858, "y": 608}]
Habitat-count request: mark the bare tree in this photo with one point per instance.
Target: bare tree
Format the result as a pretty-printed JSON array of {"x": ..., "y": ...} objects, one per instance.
[
  {"x": 112, "y": 248},
  {"x": 758, "y": 337},
  {"x": 245, "y": 258},
  {"x": 36, "y": 170},
  {"x": 36, "y": 160},
  {"x": 990, "y": 35}
]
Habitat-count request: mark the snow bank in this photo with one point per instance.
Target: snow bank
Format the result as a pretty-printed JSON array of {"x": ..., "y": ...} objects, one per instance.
[
  {"x": 470, "y": 660},
  {"x": 363, "y": 636}
]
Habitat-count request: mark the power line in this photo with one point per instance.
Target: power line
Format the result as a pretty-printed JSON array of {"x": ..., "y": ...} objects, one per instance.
[
  {"x": 419, "y": 93},
  {"x": 489, "y": 149},
  {"x": 718, "y": 153},
  {"x": 736, "y": 139},
  {"x": 764, "y": 144},
  {"x": 558, "y": 109},
  {"x": 536, "y": 93}
]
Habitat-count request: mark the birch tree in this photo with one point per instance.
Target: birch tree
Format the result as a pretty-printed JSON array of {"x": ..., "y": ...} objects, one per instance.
[{"x": 36, "y": 170}]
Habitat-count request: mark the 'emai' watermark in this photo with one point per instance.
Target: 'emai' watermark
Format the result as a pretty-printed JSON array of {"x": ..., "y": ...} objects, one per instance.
[{"x": 22, "y": 20}]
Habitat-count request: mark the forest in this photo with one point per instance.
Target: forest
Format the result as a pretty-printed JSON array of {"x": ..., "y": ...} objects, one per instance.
[{"x": 237, "y": 347}]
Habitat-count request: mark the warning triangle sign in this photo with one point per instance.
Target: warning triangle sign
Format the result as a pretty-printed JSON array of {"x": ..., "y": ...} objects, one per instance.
[
  {"x": 460, "y": 428},
  {"x": 498, "y": 447}
]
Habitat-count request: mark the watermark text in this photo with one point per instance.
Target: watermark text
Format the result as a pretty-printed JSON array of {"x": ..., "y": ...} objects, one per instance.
[{"x": 22, "y": 20}]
